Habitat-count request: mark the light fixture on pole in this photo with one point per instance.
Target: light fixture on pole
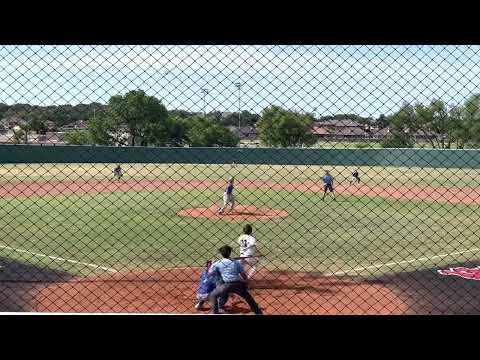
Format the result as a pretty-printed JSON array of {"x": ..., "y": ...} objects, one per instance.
[{"x": 239, "y": 86}]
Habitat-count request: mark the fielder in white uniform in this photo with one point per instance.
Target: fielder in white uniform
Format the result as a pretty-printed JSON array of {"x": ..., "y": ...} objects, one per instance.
[{"x": 248, "y": 250}]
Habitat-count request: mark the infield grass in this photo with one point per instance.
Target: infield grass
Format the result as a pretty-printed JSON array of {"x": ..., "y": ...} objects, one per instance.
[{"x": 133, "y": 231}]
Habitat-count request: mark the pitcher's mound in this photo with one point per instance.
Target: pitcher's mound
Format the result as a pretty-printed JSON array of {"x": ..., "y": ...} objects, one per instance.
[{"x": 240, "y": 213}]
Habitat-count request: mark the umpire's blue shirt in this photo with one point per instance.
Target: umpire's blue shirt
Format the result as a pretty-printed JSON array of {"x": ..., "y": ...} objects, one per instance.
[{"x": 229, "y": 270}]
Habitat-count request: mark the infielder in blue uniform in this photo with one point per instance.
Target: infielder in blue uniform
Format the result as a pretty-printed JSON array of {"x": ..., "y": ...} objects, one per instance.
[{"x": 328, "y": 185}]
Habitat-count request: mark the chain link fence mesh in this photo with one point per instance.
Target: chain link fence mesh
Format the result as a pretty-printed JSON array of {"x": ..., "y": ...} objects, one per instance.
[{"x": 116, "y": 161}]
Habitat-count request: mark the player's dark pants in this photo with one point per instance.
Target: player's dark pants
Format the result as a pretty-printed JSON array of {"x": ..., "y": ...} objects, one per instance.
[
  {"x": 221, "y": 300},
  {"x": 327, "y": 187},
  {"x": 237, "y": 287}
]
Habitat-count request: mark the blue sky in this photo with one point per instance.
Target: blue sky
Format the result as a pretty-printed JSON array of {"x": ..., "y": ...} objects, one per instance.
[{"x": 366, "y": 80}]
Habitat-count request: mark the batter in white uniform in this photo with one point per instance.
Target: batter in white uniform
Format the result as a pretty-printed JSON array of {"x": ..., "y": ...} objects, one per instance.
[{"x": 248, "y": 250}]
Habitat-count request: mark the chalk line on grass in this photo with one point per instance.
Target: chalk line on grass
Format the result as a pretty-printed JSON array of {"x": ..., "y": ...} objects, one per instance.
[
  {"x": 179, "y": 268},
  {"x": 378, "y": 266},
  {"x": 58, "y": 258}
]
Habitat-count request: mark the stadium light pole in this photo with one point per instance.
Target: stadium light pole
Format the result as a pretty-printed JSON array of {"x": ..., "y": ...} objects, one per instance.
[
  {"x": 239, "y": 87},
  {"x": 204, "y": 92}
]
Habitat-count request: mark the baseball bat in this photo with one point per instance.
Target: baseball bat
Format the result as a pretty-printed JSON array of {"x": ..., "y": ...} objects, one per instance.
[{"x": 246, "y": 257}]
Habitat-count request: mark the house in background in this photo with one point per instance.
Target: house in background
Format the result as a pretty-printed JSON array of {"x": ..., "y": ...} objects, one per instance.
[
  {"x": 7, "y": 126},
  {"x": 50, "y": 125},
  {"x": 320, "y": 132},
  {"x": 51, "y": 138},
  {"x": 76, "y": 125},
  {"x": 346, "y": 130},
  {"x": 379, "y": 134},
  {"x": 12, "y": 121},
  {"x": 248, "y": 133}
]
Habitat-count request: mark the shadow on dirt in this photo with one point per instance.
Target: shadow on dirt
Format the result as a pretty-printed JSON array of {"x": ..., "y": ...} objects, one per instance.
[
  {"x": 311, "y": 282},
  {"x": 18, "y": 281},
  {"x": 428, "y": 292}
]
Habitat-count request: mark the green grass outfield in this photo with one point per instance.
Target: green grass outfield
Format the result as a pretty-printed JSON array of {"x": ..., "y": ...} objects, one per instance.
[{"x": 132, "y": 231}]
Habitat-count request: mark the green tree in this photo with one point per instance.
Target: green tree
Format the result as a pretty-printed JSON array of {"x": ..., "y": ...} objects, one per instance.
[
  {"x": 441, "y": 126},
  {"x": 398, "y": 139},
  {"x": 280, "y": 127},
  {"x": 18, "y": 110},
  {"x": 62, "y": 115},
  {"x": 19, "y": 136},
  {"x": 177, "y": 129},
  {"x": 468, "y": 117},
  {"x": 460, "y": 133},
  {"x": 133, "y": 119},
  {"x": 79, "y": 137},
  {"x": 382, "y": 121},
  {"x": 205, "y": 132},
  {"x": 3, "y": 109},
  {"x": 105, "y": 131},
  {"x": 436, "y": 121},
  {"x": 215, "y": 115},
  {"x": 144, "y": 116},
  {"x": 182, "y": 114},
  {"x": 404, "y": 119},
  {"x": 402, "y": 126},
  {"x": 246, "y": 119}
]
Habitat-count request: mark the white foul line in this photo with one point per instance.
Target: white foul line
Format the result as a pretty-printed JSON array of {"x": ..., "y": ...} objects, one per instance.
[
  {"x": 58, "y": 258},
  {"x": 426, "y": 258}
]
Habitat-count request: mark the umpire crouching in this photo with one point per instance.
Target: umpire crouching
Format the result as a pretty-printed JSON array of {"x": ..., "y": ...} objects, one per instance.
[{"x": 234, "y": 281}]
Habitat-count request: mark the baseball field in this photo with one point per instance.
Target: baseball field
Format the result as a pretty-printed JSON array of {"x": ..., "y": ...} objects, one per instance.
[{"x": 380, "y": 241}]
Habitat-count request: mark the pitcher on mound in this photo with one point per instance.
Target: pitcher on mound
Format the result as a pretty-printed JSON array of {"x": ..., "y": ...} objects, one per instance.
[{"x": 228, "y": 197}]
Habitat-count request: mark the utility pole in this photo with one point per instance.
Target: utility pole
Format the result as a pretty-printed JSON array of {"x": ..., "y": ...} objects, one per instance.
[
  {"x": 204, "y": 92},
  {"x": 239, "y": 86}
]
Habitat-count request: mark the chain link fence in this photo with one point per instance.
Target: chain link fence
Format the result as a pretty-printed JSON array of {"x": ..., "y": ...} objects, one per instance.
[{"x": 124, "y": 169}]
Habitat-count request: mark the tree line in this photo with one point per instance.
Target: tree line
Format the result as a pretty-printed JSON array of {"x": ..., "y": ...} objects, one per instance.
[
  {"x": 442, "y": 126},
  {"x": 136, "y": 119}
]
